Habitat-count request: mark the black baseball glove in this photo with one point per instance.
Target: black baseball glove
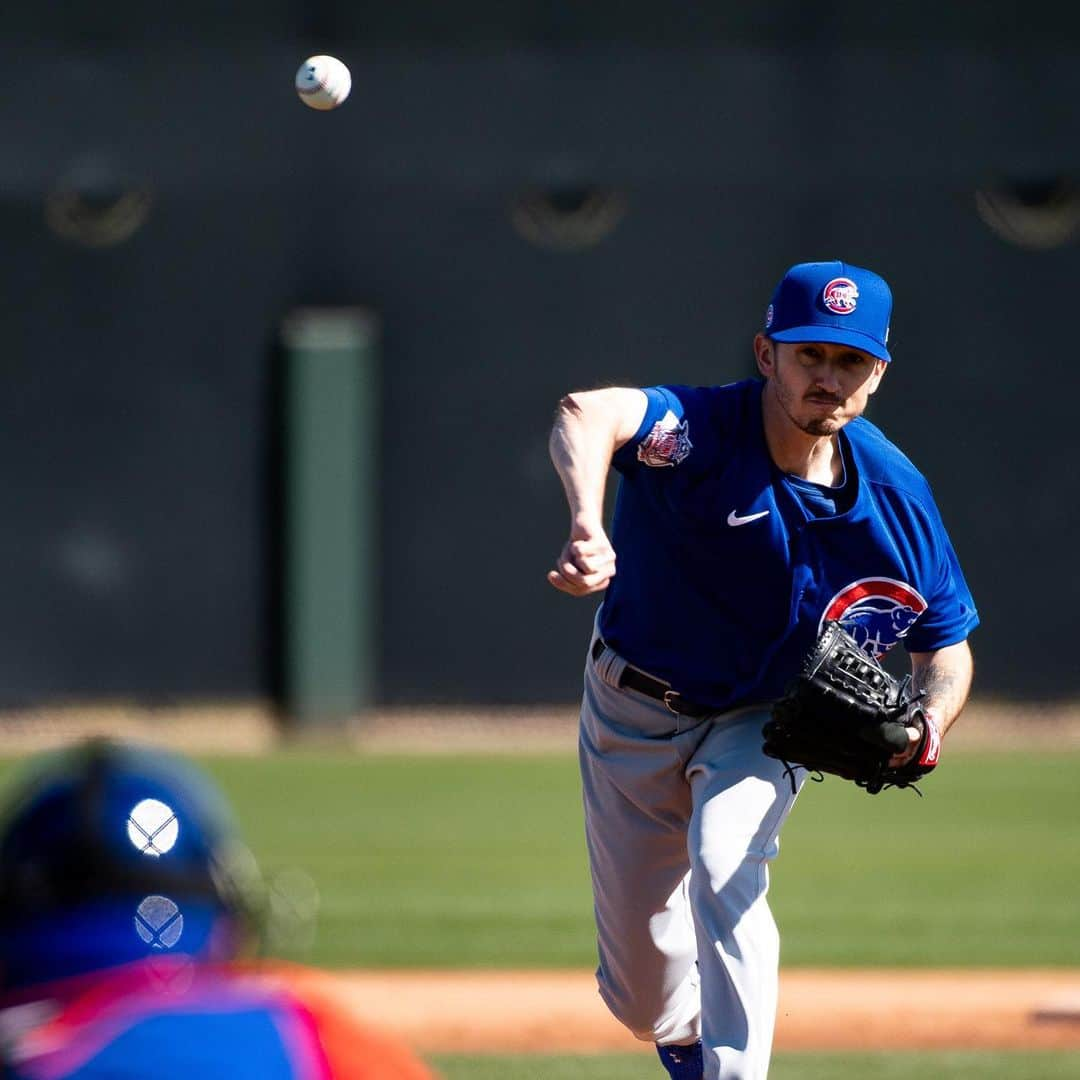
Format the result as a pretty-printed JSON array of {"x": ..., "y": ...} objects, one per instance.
[{"x": 845, "y": 714}]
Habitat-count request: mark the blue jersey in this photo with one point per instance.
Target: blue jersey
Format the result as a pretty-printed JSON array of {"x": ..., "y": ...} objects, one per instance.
[{"x": 727, "y": 567}]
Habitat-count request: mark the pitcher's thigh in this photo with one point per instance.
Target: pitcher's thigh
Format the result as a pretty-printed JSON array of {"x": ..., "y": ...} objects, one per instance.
[
  {"x": 741, "y": 800},
  {"x": 637, "y": 811}
]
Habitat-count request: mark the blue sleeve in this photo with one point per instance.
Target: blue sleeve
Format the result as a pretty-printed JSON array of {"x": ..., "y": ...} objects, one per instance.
[
  {"x": 950, "y": 613},
  {"x": 657, "y": 430}
]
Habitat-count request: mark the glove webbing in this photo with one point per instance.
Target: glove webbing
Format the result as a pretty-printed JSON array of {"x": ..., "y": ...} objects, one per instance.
[{"x": 844, "y": 714}]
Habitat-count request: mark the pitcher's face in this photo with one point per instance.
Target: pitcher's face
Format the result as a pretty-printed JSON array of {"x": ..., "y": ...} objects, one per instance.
[{"x": 818, "y": 385}]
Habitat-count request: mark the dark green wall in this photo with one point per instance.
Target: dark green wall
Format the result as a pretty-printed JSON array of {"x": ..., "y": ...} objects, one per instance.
[{"x": 138, "y": 420}]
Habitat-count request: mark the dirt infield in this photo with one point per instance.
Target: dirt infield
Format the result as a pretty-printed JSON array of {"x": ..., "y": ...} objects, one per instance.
[
  {"x": 553, "y": 1012},
  {"x": 252, "y": 728}
]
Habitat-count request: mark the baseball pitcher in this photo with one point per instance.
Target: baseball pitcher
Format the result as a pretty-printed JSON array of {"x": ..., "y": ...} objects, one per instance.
[{"x": 769, "y": 547}]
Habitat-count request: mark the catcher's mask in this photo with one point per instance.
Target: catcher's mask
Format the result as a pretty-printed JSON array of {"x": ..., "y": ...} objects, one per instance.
[{"x": 111, "y": 853}]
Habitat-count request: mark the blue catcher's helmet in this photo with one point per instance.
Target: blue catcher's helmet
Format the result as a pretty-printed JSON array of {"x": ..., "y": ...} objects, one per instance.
[{"x": 111, "y": 853}]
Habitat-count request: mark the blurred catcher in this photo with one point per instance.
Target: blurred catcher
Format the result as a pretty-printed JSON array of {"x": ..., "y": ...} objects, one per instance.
[{"x": 127, "y": 909}]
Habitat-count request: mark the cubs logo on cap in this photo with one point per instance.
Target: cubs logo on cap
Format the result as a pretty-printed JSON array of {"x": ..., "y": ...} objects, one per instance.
[
  {"x": 832, "y": 302},
  {"x": 876, "y": 612},
  {"x": 840, "y": 296}
]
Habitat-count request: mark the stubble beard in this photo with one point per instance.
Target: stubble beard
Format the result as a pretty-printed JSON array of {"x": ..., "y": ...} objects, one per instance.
[
  {"x": 823, "y": 426},
  {"x": 817, "y": 426}
]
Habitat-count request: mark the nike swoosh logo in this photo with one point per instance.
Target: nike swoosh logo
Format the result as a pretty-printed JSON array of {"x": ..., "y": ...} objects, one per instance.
[{"x": 734, "y": 519}]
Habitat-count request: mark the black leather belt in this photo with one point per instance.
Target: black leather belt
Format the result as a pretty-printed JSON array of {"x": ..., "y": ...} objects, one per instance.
[{"x": 655, "y": 688}]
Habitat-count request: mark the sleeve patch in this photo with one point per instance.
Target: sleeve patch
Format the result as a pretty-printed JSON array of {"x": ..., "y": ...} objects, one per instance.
[{"x": 668, "y": 443}]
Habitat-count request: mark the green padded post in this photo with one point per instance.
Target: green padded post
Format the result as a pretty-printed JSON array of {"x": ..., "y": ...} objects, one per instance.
[{"x": 331, "y": 393}]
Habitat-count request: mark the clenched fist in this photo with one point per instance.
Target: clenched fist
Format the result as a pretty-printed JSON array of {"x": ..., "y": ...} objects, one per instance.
[{"x": 586, "y": 563}]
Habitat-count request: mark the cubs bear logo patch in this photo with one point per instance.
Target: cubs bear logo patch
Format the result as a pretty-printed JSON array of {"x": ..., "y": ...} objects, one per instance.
[
  {"x": 668, "y": 443},
  {"x": 876, "y": 612}
]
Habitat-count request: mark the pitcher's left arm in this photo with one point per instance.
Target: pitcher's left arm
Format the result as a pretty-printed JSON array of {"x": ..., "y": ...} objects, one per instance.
[{"x": 944, "y": 676}]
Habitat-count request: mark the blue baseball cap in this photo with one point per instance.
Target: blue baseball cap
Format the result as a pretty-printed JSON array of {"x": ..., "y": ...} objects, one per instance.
[
  {"x": 834, "y": 302},
  {"x": 112, "y": 852}
]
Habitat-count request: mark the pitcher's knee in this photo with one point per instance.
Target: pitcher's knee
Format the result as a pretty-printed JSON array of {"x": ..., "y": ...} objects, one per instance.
[
  {"x": 651, "y": 1017},
  {"x": 730, "y": 880}
]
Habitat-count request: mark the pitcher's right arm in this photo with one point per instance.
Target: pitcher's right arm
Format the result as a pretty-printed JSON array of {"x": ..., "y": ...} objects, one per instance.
[{"x": 589, "y": 427}]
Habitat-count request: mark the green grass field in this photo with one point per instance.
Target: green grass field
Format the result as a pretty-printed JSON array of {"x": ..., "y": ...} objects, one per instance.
[
  {"x": 479, "y": 861},
  {"x": 1047, "y": 1065}
]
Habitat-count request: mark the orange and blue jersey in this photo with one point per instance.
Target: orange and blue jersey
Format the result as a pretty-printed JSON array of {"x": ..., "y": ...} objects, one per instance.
[{"x": 173, "y": 1020}]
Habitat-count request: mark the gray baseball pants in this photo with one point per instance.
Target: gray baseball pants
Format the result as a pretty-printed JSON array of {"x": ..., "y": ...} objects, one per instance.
[{"x": 682, "y": 817}]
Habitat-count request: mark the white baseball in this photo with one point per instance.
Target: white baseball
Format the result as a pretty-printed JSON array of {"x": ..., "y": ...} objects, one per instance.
[{"x": 323, "y": 82}]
